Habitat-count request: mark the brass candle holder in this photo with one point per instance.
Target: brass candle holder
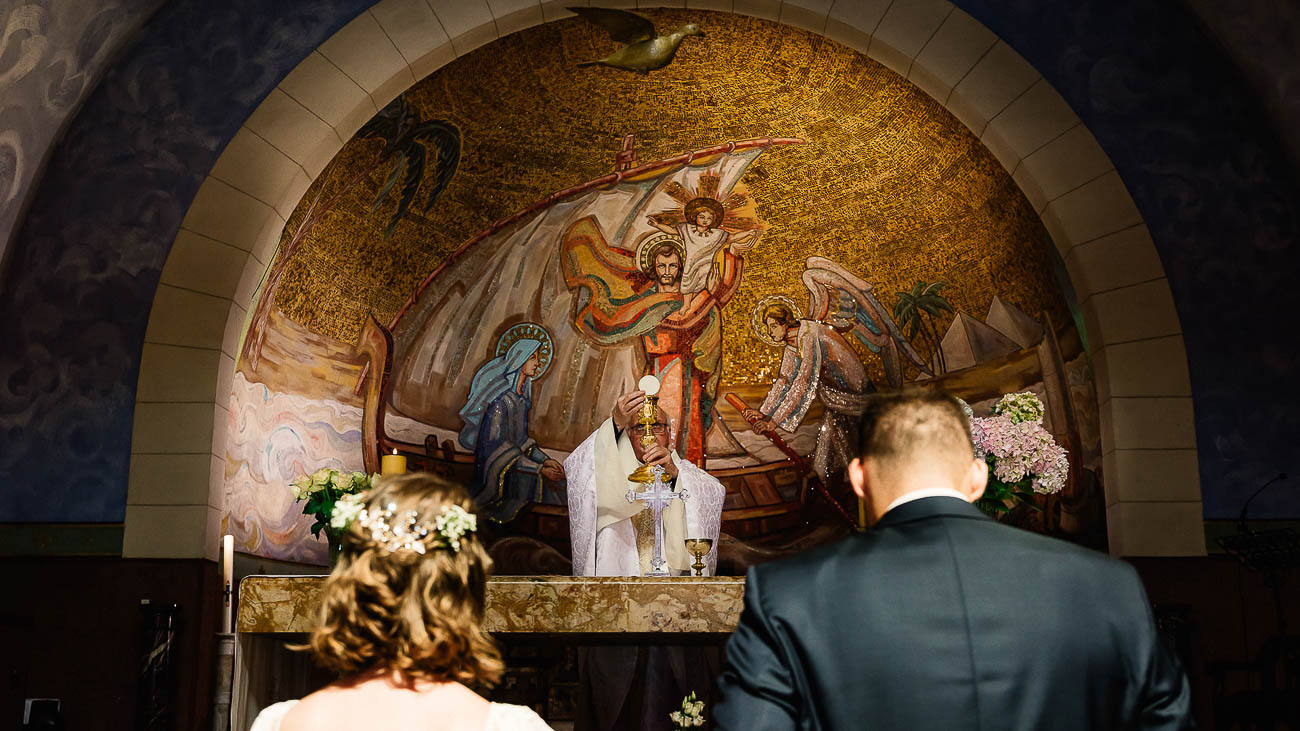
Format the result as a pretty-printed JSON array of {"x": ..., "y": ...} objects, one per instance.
[{"x": 699, "y": 548}]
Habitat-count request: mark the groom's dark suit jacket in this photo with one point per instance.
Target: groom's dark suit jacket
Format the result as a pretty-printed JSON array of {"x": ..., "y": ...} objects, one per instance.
[{"x": 939, "y": 618}]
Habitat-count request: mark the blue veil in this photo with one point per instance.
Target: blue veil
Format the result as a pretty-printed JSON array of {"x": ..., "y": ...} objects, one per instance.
[{"x": 493, "y": 379}]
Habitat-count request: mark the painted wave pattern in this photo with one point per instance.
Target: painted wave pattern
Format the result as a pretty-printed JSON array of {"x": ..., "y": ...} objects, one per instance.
[{"x": 274, "y": 437}]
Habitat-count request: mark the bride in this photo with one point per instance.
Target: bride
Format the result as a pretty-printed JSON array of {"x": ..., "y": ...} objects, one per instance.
[{"x": 401, "y": 620}]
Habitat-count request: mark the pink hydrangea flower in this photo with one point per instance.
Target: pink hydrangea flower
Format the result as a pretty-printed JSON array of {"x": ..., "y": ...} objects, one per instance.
[{"x": 1021, "y": 449}]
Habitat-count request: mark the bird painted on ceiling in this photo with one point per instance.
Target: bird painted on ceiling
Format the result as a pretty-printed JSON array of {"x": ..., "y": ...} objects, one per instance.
[{"x": 645, "y": 51}]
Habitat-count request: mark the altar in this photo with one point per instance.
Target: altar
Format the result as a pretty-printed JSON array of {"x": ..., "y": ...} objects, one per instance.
[{"x": 276, "y": 611}]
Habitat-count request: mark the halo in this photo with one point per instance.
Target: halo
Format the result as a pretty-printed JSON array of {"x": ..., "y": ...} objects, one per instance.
[
  {"x": 528, "y": 331},
  {"x": 756, "y": 317},
  {"x": 713, "y": 205},
  {"x": 652, "y": 243}
]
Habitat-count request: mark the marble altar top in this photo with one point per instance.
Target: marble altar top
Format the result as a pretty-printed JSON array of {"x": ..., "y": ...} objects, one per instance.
[{"x": 532, "y": 604}]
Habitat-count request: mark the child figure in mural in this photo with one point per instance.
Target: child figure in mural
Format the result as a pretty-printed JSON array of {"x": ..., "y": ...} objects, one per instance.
[
  {"x": 703, "y": 237},
  {"x": 510, "y": 469},
  {"x": 818, "y": 363}
]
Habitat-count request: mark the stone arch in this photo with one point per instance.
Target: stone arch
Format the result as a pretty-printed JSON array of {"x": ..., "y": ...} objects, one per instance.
[{"x": 229, "y": 236}]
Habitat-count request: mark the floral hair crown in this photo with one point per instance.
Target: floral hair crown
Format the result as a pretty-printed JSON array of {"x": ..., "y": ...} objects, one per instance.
[{"x": 395, "y": 531}]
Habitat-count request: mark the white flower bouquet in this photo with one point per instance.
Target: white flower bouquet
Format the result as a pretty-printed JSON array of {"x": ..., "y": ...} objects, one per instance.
[
  {"x": 330, "y": 497},
  {"x": 691, "y": 715},
  {"x": 1024, "y": 460}
]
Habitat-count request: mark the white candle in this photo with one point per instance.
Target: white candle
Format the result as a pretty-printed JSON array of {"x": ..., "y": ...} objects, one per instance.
[{"x": 227, "y": 576}]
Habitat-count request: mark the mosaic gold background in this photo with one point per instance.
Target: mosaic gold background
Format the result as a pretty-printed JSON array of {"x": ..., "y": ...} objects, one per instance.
[{"x": 889, "y": 184}]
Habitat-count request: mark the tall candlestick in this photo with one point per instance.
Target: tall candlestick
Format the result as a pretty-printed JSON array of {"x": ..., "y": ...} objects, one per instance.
[
  {"x": 392, "y": 464},
  {"x": 862, "y": 514},
  {"x": 227, "y": 579}
]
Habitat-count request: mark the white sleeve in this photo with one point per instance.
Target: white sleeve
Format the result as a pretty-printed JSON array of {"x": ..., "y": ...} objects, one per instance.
[
  {"x": 504, "y": 717},
  {"x": 271, "y": 716},
  {"x": 703, "y": 509},
  {"x": 580, "y": 471}
]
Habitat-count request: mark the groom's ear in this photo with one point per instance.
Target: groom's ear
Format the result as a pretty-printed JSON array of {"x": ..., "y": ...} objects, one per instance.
[
  {"x": 858, "y": 478},
  {"x": 975, "y": 480}
]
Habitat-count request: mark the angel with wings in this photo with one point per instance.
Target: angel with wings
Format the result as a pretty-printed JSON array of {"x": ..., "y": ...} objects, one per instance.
[{"x": 819, "y": 363}]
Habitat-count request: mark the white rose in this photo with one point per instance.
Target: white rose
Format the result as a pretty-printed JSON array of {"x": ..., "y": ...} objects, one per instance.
[{"x": 345, "y": 511}]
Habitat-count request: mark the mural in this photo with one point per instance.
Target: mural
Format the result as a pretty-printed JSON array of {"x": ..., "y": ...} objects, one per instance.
[{"x": 828, "y": 232}]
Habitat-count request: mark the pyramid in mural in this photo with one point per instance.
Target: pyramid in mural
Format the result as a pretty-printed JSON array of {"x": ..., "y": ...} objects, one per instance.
[
  {"x": 1013, "y": 322},
  {"x": 970, "y": 342}
]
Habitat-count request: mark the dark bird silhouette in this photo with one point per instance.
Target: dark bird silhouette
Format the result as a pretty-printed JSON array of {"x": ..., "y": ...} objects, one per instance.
[{"x": 645, "y": 50}]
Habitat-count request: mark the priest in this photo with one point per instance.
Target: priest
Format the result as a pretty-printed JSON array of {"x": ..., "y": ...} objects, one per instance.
[
  {"x": 614, "y": 537},
  {"x": 637, "y": 687}
]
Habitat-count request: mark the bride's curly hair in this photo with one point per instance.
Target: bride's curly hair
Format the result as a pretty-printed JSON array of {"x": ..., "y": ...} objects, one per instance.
[{"x": 418, "y": 615}]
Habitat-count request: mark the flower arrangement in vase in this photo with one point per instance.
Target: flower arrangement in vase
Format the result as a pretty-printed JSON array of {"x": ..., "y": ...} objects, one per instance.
[
  {"x": 322, "y": 491},
  {"x": 1024, "y": 460}
]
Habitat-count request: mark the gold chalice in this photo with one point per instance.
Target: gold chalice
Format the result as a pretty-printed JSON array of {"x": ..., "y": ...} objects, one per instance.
[
  {"x": 699, "y": 548},
  {"x": 647, "y": 415}
]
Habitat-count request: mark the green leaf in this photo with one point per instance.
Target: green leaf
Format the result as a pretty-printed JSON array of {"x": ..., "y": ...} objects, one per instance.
[
  {"x": 314, "y": 503},
  {"x": 414, "y": 175},
  {"x": 930, "y": 309},
  {"x": 398, "y": 168},
  {"x": 445, "y": 138}
]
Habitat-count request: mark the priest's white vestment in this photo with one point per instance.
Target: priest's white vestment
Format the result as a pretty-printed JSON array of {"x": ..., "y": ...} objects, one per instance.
[{"x": 602, "y": 523}]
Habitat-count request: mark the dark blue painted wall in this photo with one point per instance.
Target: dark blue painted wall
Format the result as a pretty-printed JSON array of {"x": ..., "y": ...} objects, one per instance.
[
  {"x": 1170, "y": 110},
  {"x": 1221, "y": 199},
  {"x": 85, "y": 265}
]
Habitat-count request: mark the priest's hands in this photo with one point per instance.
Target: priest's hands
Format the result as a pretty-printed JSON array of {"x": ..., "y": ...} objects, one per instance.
[
  {"x": 656, "y": 454},
  {"x": 625, "y": 409},
  {"x": 552, "y": 470}
]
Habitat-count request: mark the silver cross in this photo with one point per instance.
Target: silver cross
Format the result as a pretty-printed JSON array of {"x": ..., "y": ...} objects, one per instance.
[{"x": 657, "y": 497}]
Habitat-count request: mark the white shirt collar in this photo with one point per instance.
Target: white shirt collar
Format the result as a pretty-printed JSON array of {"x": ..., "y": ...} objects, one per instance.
[{"x": 924, "y": 493}]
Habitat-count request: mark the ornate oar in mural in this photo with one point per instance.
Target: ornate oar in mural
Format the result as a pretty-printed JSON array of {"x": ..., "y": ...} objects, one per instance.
[{"x": 794, "y": 456}]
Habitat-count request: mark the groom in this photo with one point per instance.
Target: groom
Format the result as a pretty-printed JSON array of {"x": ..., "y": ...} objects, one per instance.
[{"x": 939, "y": 618}]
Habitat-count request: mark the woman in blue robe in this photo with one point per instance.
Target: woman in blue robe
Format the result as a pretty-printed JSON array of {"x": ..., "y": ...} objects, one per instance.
[{"x": 511, "y": 470}]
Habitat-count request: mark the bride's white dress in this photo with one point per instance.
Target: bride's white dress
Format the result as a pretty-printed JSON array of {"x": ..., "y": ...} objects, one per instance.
[{"x": 501, "y": 717}]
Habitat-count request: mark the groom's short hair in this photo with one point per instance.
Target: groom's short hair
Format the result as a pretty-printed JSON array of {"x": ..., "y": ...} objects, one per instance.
[{"x": 897, "y": 429}]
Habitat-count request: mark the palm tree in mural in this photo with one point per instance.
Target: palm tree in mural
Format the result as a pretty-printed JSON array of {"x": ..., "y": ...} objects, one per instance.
[
  {"x": 405, "y": 140},
  {"x": 916, "y": 310}
]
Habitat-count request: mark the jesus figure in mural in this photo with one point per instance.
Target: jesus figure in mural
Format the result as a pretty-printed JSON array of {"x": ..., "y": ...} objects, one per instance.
[
  {"x": 679, "y": 350},
  {"x": 667, "y": 296},
  {"x": 684, "y": 351}
]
